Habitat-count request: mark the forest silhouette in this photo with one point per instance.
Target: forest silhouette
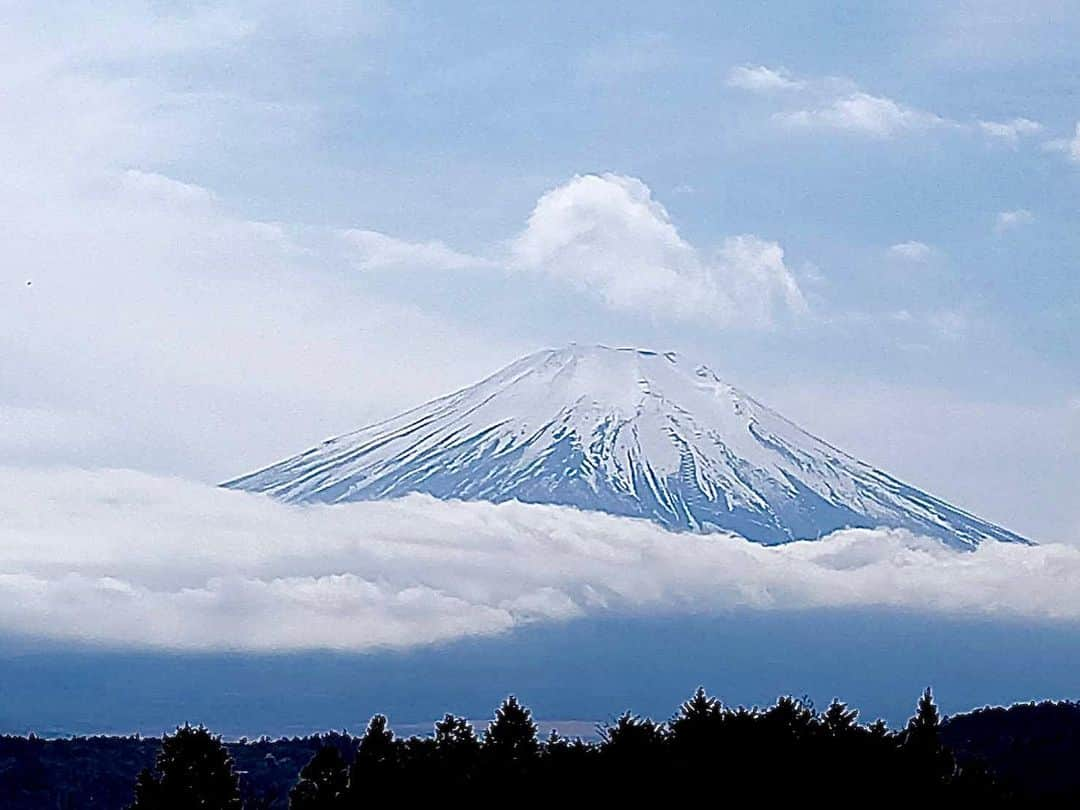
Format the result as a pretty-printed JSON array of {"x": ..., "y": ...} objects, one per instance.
[
  {"x": 781, "y": 753},
  {"x": 1022, "y": 755}
]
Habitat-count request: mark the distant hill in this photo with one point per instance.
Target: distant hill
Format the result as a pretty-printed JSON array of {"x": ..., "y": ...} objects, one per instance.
[{"x": 1032, "y": 747}]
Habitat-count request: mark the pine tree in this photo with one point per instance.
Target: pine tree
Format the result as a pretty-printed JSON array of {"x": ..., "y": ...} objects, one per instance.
[
  {"x": 375, "y": 768},
  {"x": 454, "y": 734},
  {"x": 698, "y": 724},
  {"x": 511, "y": 737},
  {"x": 377, "y": 745},
  {"x": 456, "y": 748},
  {"x": 838, "y": 720},
  {"x": 193, "y": 770},
  {"x": 921, "y": 743},
  {"x": 632, "y": 736}
]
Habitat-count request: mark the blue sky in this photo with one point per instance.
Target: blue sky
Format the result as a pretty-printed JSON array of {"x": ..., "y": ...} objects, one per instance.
[{"x": 252, "y": 225}]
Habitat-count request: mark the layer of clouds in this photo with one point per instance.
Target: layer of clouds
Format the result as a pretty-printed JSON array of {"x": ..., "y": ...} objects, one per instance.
[
  {"x": 605, "y": 234},
  {"x": 125, "y": 558}
]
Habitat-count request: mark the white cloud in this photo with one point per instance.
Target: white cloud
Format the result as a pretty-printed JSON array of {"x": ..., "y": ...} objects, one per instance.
[
  {"x": 125, "y": 558},
  {"x": 838, "y": 104},
  {"x": 159, "y": 188},
  {"x": 605, "y": 234},
  {"x": 162, "y": 328},
  {"x": 912, "y": 251},
  {"x": 1070, "y": 147},
  {"x": 1007, "y": 220},
  {"x": 1010, "y": 131},
  {"x": 761, "y": 79},
  {"x": 372, "y": 250},
  {"x": 864, "y": 114}
]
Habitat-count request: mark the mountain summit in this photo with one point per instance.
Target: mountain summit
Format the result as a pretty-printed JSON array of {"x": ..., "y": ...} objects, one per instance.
[{"x": 623, "y": 431}]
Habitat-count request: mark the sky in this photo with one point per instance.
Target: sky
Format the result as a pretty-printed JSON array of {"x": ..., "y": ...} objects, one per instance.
[{"x": 231, "y": 230}]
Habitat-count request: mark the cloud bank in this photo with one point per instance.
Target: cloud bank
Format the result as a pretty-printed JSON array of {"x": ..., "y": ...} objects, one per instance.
[{"x": 125, "y": 558}]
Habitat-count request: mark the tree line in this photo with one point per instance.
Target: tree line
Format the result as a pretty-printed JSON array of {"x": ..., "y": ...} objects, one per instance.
[{"x": 787, "y": 751}]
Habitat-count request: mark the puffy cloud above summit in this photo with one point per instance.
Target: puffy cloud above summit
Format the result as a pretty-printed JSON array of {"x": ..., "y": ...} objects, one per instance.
[
  {"x": 606, "y": 234},
  {"x": 125, "y": 558}
]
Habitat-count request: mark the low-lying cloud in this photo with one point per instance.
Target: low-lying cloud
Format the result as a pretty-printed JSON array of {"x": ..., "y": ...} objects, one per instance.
[{"x": 125, "y": 558}]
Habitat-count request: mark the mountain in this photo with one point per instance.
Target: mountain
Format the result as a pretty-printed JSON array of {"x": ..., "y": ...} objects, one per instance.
[{"x": 623, "y": 431}]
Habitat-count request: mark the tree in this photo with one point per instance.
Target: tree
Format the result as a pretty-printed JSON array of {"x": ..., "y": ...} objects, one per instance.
[
  {"x": 838, "y": 720},
  {"x": 698, "y": 724},
  {"x": 194, "y": 770},
  {"x": 323, "y": 782},
  {"x": 375, "y": 768},
  {"x": 456, "y": 748},
  {"x": 511, "y": 737},
  {"x": 921, "y": 743},
  {"x": 632, "y": 737}
]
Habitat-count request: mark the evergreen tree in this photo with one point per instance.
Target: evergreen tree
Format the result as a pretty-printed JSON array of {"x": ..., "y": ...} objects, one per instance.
[
  {"x": 323, "y": 782},
  {"x": 511, "y": 737},
  {"x": 456, "y": 749},
  {"x": 193, "y": 771},
  {"x": 632, "y": 737},
  {"x": 454, "y": 735},
  {"x": 375, "y": 768},
  {"x": 838, "y": 720},
  {"x": 921, "y": 743},
  {"x": 377, "y": 746},
  {"x": 698, "y": 725}
]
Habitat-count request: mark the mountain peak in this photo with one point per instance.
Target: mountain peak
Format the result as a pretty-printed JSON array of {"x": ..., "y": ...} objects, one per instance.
[{"x": 627, "y": 431}]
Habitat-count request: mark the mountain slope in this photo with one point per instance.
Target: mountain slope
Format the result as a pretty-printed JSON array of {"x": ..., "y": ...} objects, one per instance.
[{"x": 623, "y": 431}]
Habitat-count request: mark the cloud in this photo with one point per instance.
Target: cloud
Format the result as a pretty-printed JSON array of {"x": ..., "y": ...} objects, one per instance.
[
  {"x": 864, "y": 114},
  {"x": 605, "y": 234},
  {"x": 126, "y": 558},
  {"x": 164, "y": 328},
  {"x": 838, "y": 104},
  {"x": 158, "y": 188},
  {"x": 761, "y": 79},
  {"x": 1007, "y": 220},
  {"x": 372, "y": 250},
  {"x": 1010, "y": 131},
  {"x": 912, "y": 251},
  {"x": 1070, "y": 147}
]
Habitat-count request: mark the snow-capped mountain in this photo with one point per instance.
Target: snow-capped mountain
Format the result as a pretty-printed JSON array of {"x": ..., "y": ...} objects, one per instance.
[{"x": 622, "y": 431}]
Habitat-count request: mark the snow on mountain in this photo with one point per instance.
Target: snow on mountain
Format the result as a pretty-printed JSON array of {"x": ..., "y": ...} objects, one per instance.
[{"x": 624, "y": 431}]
